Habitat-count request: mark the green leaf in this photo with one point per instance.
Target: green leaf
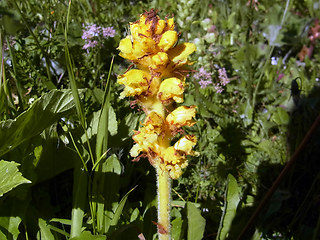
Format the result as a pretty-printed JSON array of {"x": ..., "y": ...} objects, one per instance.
[
  {"x": 44, "y": 112},
  {"x": 11, "y": 227},
  {"x": 86, "y": 235},
  {"x": 103, "y": 125},
  {"x": 79, "y": 201},
  {"x": 135, "y": 214},
  {"x": 176, "y": 229},
  {"x": 196, "y": 223},
  {"x": 230, "y": 208},
  {"x": 106, "y": 189},
  {"x": 119, "y": 209},
  {"x": 10, "y": 177},
  {"x": 280, "y": 117},
  {"x": 113, "y": 124},
  {"x": 274, "y": 35},
  {"x": 45, "y": 232}
]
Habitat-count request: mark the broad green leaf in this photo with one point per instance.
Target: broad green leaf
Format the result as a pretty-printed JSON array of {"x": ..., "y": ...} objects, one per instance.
[
  {"x": 12, "y": 210},
  {"x": 230, "y": 208},
  {"x": 86, "y": 235},
  {"x": 10, "y": 177},
  {"x": 11, "y": 227},
  {"x": 196, "y": 223},
  {"x": 45, "y": 232},
  {"x": 176, "y": 229},
  {"x": 44, "y": 112}
]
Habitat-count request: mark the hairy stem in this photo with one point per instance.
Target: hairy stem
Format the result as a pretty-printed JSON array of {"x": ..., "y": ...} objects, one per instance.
[{"x": 164, "y": 205}]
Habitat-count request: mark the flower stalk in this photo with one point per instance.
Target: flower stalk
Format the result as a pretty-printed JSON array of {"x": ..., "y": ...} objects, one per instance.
[{"x": 158, "y": 84}]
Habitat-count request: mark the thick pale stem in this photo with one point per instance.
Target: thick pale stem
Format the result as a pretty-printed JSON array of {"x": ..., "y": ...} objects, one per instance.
[{"x": 164, "y": 204}]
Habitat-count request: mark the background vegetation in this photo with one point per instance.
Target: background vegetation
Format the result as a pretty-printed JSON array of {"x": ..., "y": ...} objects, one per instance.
[{"x": 65, "y": 171}]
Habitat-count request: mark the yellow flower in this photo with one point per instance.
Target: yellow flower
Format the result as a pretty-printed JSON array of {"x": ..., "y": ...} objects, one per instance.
[
  {"x": 178, "y": 59},
  {"x": 135, "y": 82},
  {"x": 171, "y": 89},
  {"x": 179, "y": 54},
  {"x": 155, "y": 122},
  {"x": 182, "y": 116},
  {"x": 159, "y": 60},
  {"x": 174, "y": 162},
  {"x": 185, "y": 144},
  {"x": 147, "y": 137},
  {"x": 168, "y": 40}
]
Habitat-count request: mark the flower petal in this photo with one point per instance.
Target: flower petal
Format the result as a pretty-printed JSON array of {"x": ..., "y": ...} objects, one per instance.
[
  {"x": 168, "y": 40},
  {"x": 180, "y": 53}
]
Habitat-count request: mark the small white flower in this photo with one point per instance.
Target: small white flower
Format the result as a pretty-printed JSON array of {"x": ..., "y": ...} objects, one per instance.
[
  {"x": 274, "y": 61},
  {"x": 31, "y": 100}
]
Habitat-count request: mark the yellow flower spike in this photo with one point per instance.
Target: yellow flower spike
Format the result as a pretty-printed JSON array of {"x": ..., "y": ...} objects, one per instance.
[
  {"x": 171, "y": 89},
  {"x": 158, "y": 83},
  {"x": 168, "y": 40},
  {"x": 182, "y": 116},
  {"x": 185, "y": 144},
  {"x": 170, "y": 156},
  {"x": 145, "y": 140},
  {"x": 135, "y": 81},
  {"x": 176, "y": 172}
]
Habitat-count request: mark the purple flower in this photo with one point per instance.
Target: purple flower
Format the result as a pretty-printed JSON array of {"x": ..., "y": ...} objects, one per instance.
[
  {"x": 91, "y": 31},
  {"x": 203, "y": 77},
  {"x": 280, "y": 76},
  {"x": 202, "y": 74},
  {"x": 224, "y": 80},
  {"x": 204, "y": 83},
  {"x": 90, "y": 44},
  {"x": 108, "y": 32},
  {"x": 93, "y": 35},
  {"x": 218, "y": 88}
]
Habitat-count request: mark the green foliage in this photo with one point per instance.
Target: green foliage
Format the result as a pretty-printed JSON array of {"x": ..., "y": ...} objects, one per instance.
[
  {"x": 41, "y": 115},
  {"x": 10, "y": 177},
  {"x": 64, "y": 130},
  {"x": 196, "y": 223},
  {"x": 230, "y": 207}
]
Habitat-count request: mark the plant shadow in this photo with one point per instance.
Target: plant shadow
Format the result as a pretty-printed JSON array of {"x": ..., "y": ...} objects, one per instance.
[{"x": 292, "y": 212}]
